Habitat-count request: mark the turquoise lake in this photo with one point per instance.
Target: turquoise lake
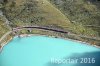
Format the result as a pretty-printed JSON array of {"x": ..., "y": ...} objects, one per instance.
[{"x": 48, "y": 51}]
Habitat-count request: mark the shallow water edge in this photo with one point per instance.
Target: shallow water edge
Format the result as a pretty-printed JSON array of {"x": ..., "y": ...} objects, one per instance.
[{"x": 28, "y": 35}]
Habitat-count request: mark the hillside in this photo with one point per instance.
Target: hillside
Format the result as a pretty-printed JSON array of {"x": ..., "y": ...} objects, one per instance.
[
  {"x": 86, "y": 12},
  {"x": 40, "y": 12},
  {"x": 3, "y": 27},
  {"x": 67, "y": 15},
  {"x": 35, "y": 12}
]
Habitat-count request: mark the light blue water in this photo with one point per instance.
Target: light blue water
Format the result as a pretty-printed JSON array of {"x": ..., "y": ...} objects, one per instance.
[{"x": 39, "y": 50}]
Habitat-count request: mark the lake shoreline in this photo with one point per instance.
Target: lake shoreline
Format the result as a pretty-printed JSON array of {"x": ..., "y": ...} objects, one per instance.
[
  {"x": 28, "y": 35},
  {"x": 4, "y": 43}
]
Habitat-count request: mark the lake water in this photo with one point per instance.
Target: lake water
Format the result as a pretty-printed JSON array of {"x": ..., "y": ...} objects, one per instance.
[{"x": 47, "y": 51}]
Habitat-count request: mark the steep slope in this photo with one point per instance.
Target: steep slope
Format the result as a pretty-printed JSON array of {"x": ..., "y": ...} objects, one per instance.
[
  {"x": 42, "y": 13},
  {"x": 86, "y": 12},
  {"x": 3, "y": 27},
  {"x": 35, "y": 12}
]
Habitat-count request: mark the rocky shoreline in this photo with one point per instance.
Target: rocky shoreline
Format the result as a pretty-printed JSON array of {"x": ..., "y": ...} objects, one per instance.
[{"x": 4, "y": 43}]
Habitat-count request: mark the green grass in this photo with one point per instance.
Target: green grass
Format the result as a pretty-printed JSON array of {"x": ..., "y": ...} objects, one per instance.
[
  {"x": 3, "y": 27},
  {"x": 80, "y": 11},
  {"x": 43, "y": 13}
]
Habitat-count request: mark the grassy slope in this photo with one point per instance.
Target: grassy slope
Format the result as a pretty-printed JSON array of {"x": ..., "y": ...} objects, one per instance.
[
  {"x": 3, "y": 28},
  {"x": 42, "y": 13},
  {"x": 45, "y": 14},
  {"x": 80, "y": 11}
]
